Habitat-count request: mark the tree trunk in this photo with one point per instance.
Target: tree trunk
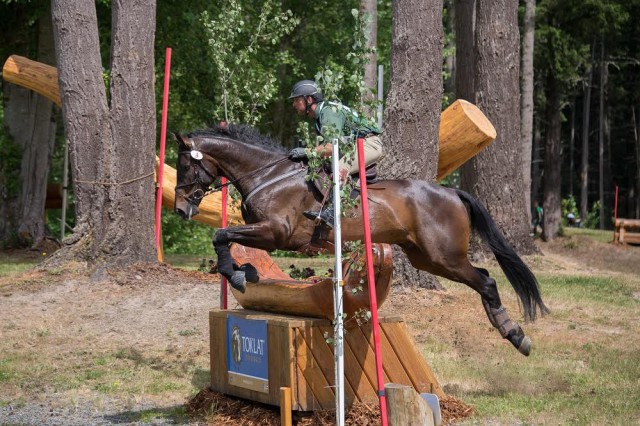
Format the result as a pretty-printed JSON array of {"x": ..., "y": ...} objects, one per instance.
[
  {"x": 526, "y": 102},
  {"x": 572, "y": 144},
  {"x": 30, "y": 121},
  {"x": 584, "y": 160},
  {"x": 414, "y": 103},
  {"x": 465, "y": 30},
  {"x": 370, "y": 7},
  {"x": 601, "y": 131},
  {"x": 495, "y": 175},
  {"x": 111, "y": 147},
  {"x": 552, "y": 201},
  {"x": 636, "y": 139}
]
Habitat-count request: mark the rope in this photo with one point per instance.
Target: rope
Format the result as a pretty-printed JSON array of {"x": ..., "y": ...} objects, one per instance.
[{"x": 93, "y": 182}]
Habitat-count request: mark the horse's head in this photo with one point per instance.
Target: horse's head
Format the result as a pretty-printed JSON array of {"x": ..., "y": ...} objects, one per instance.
[{"x": 196, "y": 171}]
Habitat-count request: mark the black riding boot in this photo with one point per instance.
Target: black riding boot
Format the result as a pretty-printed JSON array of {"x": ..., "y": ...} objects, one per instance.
[{"x": 325, "y": 214}]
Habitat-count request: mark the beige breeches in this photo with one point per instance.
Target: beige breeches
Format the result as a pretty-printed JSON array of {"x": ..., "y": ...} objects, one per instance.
[{"x": 373, "y": 151}]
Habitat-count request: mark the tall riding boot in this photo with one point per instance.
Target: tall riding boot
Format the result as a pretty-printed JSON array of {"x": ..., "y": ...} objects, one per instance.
[{"x": 325, "y": 214}]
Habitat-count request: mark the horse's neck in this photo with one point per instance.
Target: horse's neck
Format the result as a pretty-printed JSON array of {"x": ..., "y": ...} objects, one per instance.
[{"x": 243, "y": 162}]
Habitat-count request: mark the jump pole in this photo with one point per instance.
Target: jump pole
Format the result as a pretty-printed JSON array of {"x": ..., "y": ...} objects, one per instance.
[
  {"x": 371, "y": 280},
  {"x": 338, "y": 287},
  {"x": 224, "y": 220},
  {"x": 163, "y": 139}
]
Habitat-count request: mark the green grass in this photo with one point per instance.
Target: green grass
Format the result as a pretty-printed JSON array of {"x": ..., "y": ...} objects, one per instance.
[
  {"x": 584, "y": 368},
  {"x": 10, "y": 266},
  {"x": 603, "y": 236}
]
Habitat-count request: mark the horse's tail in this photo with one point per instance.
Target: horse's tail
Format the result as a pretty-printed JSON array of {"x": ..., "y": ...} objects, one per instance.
[{"x": 518, "y": 274}]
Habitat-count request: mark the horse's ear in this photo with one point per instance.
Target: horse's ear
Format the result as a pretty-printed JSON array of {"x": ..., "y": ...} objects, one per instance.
[{"x": 177, "y": 138}]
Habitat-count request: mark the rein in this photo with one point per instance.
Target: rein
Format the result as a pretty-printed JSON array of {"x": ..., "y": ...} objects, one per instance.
[{"x": 201, "y": 194}]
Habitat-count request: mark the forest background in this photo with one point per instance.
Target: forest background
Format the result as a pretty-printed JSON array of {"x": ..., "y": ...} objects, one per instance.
[{"x": 585, "y": 80}]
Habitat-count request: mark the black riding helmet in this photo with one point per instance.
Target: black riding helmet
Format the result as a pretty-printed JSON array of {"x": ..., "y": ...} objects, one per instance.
[{"x": 306, "y": 88}]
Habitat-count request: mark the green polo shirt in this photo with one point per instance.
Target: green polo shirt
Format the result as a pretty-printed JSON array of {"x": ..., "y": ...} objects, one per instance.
[{"x": 345, "y": 121}]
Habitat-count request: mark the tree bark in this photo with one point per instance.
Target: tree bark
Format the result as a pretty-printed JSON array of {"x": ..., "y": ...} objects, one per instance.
[
  {"x": 370, "y": 7},
  {"x": 584, "y": 158},
  {"x": 465, "y": 21},
  {"x": 495, "y": 175},
  {"x": 414, "y": 103},
  {"x": 31, "y": 123},
  {"x": 552, "y": 201},
  {"x": 111, "y": 146},
  {"x": 526, "y": 119}
]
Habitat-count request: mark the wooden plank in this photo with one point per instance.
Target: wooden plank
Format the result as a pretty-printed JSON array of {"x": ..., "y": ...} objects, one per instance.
[
  {"x": 358, "y": 383},
  {"x": 316, "y": 392},
  {"x": 358, "y": 344},
  {"x": 420, "y": 374},
  {"x": 390, "y": 361},
  {"x": 323, "y": 352},
  {"x": 217, "y": 353}
]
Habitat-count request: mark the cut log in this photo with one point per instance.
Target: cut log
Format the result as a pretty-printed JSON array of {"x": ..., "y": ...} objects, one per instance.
[
  {"x": 464, "y": 131},
  {"x": 277, "y": 292},
  {"x": 405, "y": 407},
  {"x": 39, "y": 77}
]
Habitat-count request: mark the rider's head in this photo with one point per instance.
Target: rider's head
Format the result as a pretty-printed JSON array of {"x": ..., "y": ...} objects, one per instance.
[{"x": 305, "y": 93}]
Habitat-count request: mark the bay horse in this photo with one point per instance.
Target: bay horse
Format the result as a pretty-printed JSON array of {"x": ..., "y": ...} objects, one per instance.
[{"x": 429, "y": 222}]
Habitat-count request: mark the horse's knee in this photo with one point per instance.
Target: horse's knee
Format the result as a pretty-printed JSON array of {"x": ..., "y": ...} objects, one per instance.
[{"x": 220, "y": 238}]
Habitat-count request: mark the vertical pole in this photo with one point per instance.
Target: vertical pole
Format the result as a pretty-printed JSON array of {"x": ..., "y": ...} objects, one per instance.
[
  {"x": 163, "y": 138},
  {"x": 223, "y": 281},
  {"x": 371, "y": 279},
  {"x": 380, "y": 93},
  {"x": 338, "y": 307}
]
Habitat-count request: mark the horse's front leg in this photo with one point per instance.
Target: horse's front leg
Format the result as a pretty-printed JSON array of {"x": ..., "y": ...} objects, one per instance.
[{"x": 257, "y": 235}]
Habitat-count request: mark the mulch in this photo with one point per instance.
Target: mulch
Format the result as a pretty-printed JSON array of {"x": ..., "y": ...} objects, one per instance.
[{"x": 220, "y": 409}]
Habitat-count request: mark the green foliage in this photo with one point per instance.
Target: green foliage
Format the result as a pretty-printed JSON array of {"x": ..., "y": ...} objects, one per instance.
[
  {"x": 593, "y": 217},
  {"x": 243, "y": 48},
  {"x": 186, "y": 237}
]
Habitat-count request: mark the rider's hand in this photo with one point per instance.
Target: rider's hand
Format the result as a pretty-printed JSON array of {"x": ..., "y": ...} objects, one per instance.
[{"x": 297, "y": 154}]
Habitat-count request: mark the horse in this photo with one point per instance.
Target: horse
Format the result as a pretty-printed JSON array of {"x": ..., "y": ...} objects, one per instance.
[{"x": 431, "y": 223}]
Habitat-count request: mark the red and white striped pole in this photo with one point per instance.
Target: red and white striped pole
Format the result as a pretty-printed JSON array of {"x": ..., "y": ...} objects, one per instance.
[
  {"x": 163, "y": 139},
  {"x": 371, "y": 279}
]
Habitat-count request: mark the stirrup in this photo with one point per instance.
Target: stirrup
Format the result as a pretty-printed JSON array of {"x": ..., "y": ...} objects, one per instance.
[{"x": 319, "y": 217}]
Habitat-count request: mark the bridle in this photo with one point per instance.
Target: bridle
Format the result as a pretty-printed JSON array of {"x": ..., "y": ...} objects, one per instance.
[{"x": 200, "y": 193}]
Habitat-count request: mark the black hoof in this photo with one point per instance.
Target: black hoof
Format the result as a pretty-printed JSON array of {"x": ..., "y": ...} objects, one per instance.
[
  {"x": 238, "y": 281},
  {"x": 251, "y": 273}
]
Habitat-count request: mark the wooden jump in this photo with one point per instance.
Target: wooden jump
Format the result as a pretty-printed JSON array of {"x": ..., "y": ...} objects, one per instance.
[
  {"x": 300, "y": 357},
  {"x": 626, "y": 231}
]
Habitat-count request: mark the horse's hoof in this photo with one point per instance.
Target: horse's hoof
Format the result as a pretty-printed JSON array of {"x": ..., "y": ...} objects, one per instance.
[
  {"x": 238, "y": 281},
  {"x": 251, "y": 273},
  {"x": 525, "y": 346}
]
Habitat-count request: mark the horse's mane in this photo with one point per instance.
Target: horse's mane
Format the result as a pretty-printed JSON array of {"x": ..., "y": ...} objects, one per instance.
[{"x": 243, "y": 133}]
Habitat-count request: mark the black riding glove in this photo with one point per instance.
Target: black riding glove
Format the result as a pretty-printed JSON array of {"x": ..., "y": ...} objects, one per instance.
[{"x": 297, "y": 154}]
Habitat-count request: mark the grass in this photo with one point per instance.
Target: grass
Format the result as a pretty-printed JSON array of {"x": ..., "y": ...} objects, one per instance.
[
  {"x": 603, "y": 236},
  {"x": 585, "y": 366}
]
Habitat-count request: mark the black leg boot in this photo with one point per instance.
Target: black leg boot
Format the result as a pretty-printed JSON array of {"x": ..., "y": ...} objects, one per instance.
[{"x": 325, "y": 215}]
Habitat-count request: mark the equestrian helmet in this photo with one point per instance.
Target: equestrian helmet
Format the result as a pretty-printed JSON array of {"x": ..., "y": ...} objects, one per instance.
[{"x": 306, "y": 88}]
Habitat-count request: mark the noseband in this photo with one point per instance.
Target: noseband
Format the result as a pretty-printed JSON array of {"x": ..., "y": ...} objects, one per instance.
[{"x": 199, "y": 193}]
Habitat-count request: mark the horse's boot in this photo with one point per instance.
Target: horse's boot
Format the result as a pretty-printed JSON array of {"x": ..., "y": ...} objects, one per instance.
[{"x": 325, "y": 215}]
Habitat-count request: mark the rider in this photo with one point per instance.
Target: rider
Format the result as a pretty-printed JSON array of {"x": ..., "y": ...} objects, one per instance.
[{"x": 333, "y": 119}]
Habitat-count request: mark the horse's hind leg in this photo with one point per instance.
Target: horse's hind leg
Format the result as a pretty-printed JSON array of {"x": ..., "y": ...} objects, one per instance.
[
  {"x": 455, "y": 266},
  {"x": 498, "y": 316}
]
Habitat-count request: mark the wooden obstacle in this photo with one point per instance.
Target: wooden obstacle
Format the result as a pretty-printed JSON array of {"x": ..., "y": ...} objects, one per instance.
[
  {"x": 277, "y": 292},
  {"x": 626, "y": 231},
  {"x": 299, "y": 355},
  {"x": 464, "y": 131}
]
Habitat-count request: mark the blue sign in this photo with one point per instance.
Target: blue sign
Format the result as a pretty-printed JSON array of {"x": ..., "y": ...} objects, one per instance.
[{"x": 247, "y": 361}]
